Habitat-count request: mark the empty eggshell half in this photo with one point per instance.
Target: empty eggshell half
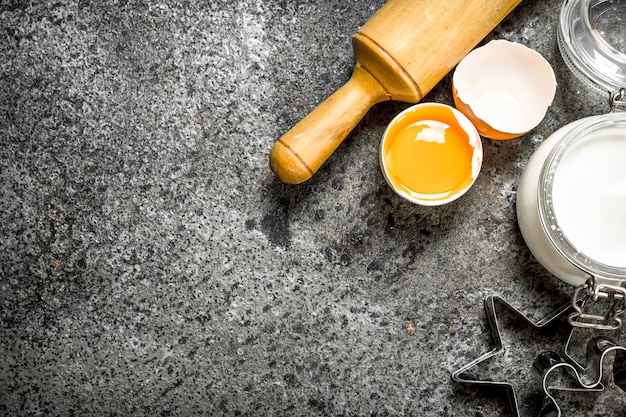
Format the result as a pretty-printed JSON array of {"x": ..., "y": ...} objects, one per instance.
[{"x": 504, "y": 88}]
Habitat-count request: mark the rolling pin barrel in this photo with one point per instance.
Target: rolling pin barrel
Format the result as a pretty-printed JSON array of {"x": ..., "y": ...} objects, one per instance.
[{"x": 401, "y": 53}]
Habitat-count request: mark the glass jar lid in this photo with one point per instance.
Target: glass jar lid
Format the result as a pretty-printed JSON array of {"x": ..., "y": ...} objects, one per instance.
[
  {"x": 582, "y": 196},
  {"x": 592, "y": 41}
]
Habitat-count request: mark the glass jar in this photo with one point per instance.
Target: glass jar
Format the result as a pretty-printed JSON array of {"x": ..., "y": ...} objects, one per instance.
[
  {"x": 571, "y": 200},
  {"x": 571, "y": 203},
  {"x": 592, "y": 41},
  {"x": 571, "y": 210}
]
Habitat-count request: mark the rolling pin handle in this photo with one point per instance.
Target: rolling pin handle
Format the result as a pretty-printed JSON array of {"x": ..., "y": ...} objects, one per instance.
[{"x": 299, "y": 153}]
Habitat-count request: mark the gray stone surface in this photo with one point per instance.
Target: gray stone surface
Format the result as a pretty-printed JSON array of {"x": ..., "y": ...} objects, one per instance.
[{"x": 151, "y": 264}]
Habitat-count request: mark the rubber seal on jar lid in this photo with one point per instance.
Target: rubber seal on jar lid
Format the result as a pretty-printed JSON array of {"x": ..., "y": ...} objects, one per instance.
[
  {"x": 582, "y": 196},
  {"x": 592, "y": 41}
]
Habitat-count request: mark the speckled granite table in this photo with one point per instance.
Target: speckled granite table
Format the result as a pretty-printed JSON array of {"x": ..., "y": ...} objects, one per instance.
[{"x": 151, "y": 264}]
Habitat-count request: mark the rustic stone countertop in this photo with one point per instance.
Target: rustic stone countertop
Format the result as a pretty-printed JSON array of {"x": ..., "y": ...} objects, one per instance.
[{"x": 152, "y": 264}]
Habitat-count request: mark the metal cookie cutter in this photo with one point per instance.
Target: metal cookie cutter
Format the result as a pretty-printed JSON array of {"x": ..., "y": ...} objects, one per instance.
[
  {"x": 490, "y": 307},
  {"x": 588, "y": 378},
  {"x": 581, "y": 378}
]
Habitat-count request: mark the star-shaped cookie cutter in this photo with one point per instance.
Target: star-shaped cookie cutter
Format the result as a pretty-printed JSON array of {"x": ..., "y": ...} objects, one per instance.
[
  {"x": 588, "y": 377},
  {"x": 494, "y": 326}
]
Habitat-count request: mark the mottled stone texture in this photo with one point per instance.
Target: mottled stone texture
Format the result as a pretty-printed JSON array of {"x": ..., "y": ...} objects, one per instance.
[{"x": 151, "y": 264}]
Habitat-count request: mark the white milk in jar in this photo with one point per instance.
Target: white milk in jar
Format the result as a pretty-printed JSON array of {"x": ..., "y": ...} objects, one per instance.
[
  {"x": 571, "y": 203},
  {"x": 589, "y": 196}
]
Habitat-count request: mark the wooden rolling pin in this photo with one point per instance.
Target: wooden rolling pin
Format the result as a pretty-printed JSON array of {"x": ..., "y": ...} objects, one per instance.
[{"x": 402, "y": 52}]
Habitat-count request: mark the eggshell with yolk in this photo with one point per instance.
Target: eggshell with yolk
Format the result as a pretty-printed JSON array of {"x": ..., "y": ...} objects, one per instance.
[{"x": 430, "y": 154}]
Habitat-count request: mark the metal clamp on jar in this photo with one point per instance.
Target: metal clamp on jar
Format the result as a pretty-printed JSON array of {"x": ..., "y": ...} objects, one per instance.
[{"x": 571, "y": 203}]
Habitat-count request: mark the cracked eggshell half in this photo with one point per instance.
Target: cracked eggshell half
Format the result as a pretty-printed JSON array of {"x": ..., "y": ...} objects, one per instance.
[{"x": 504, "y": 88}]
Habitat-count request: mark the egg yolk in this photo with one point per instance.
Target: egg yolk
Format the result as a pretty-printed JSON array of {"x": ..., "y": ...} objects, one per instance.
[{"x": 429, "y": 157}]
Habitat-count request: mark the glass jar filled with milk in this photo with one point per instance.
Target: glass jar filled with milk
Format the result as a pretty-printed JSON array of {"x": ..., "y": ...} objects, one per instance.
[{"x": 571, "y": 202}]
